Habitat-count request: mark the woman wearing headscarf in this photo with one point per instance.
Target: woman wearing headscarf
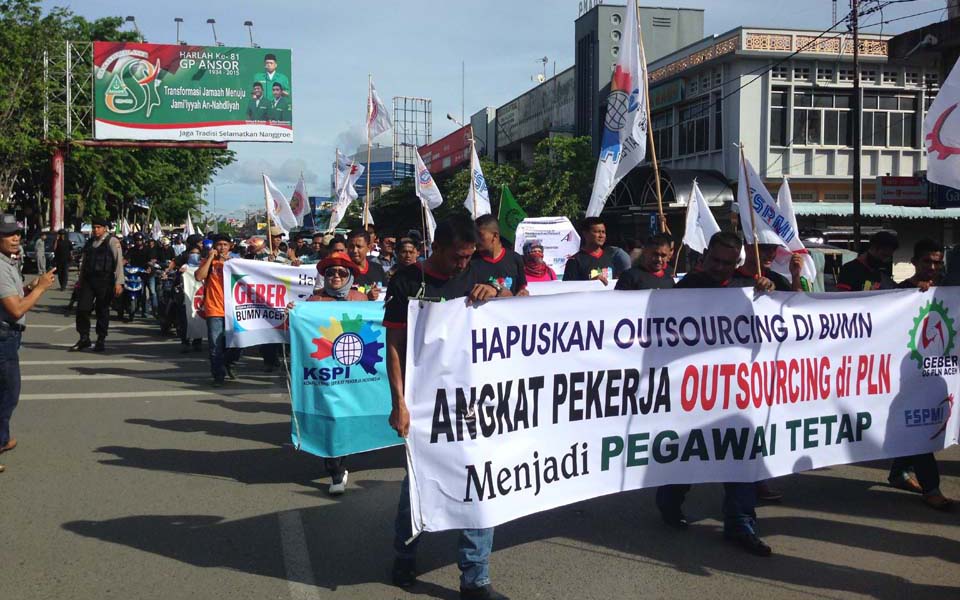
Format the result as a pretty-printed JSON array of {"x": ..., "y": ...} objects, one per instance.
[
  {"x": 336, "y": 271},
  {"x": 533, "y": 265}
]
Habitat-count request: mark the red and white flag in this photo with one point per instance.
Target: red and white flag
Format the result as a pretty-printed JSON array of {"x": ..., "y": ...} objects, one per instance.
[
  {"x": 378, "y": 117},
  {"x": 299, "y": 204},
  {"x": 941, "y": 133},
  {"x": 278, "y": 208}
]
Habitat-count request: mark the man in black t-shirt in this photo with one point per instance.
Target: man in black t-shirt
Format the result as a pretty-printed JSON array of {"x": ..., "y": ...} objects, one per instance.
[
  {"x": 445, "y": 275},
  {"x": 369, "y": 274},
  {"x": 718, "y": 270},
  {"x": 591, "y": 262},
  {"x": 925, "y": 478},
  {"x": 494, "y": 263},
  {"x": 651, "y": 270},
  {"x": 768, "y": 252},
  {"x": 868, "y": 271}
]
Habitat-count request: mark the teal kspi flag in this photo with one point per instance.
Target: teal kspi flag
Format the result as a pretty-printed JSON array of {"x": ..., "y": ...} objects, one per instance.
[{"x": 338, "y": 378}]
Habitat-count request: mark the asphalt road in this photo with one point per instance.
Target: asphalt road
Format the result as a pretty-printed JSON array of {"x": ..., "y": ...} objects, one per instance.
[{"x": 134, "y": 478}]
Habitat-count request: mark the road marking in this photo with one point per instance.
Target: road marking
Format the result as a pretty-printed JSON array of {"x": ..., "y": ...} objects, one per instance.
[
  {"x": 134, "y": 395},
  {"x": 31, "y": 326},
  {"x": 156, "y": 375},
  {"x": 113, "y": 361},
  {"x": 296, "y": 557},
  {"x": 116, "y": 345}
]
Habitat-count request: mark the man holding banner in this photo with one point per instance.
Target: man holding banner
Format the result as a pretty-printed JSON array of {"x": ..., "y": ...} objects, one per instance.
[
  {"x": 445, "y": 275},
  {"x": 210, "y": 273},
  {"x": 592, "y": 261},
  {"x": 651, "y": 271}
]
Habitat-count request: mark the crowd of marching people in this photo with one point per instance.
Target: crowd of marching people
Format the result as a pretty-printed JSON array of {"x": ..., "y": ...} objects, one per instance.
[{"x": 466, "y": 259}]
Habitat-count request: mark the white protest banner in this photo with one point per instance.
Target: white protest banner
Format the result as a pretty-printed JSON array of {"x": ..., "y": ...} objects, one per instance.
[
  {"x": 558, "y": 236},
  {"x": 256, "y": 294},
  {"x": 193, "y": 303},
  {"x": 531, "y": 404},
  {"x": 549, "y": 288}
]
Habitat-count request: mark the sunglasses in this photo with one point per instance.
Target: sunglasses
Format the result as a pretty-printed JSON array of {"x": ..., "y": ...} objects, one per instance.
[{"x": 336, "y": 272}]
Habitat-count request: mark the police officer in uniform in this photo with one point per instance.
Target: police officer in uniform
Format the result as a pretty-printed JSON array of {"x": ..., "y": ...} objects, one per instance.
[{"x": 101, "y": 279}]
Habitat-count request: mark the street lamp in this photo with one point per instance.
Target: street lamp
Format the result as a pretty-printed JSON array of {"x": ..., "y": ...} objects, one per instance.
[
  {"x": 216, "y": 222},
  {"x": 213, "y": 26},
  {"x": 249, "y": 26},
  {"x": 133, "y": 20},
  {"x": 178, "y": 20}
]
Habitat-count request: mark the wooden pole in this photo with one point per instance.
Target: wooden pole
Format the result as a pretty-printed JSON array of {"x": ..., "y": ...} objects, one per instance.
[
  {"x": 366, "y": 199},
  {"x": 676, "y": 262},
  {"x": 473, "y": 181},
  {"x": 653, "y": 146},
  {"x": 266, "y": 204},
  {"x": 753, "y": 220}
]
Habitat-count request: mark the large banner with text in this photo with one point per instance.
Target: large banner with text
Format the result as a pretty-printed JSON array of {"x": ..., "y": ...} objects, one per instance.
[
  {"x": 256, "y": 294},
  {"x": 529, "y": 404},
  {"x": 193, "y": 304},
  {"x": 180, "y": 92},
  {"x": 338, "y": 378}
]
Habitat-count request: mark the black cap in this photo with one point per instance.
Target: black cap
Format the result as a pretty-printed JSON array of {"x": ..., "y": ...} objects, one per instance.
[
  {"x": 100, "y": 221},
  {"x": 221, "y": 237},
  {"x": 9, "y": 225}
]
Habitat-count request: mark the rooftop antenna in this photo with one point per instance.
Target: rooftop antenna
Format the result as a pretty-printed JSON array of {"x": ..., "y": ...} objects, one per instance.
[{"x": 213, "y": 26}]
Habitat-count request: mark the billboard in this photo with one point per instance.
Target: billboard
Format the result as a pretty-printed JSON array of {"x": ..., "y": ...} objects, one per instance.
[
  {"x": 448, "y": 152},
  {"x": 180, "y": 92}
]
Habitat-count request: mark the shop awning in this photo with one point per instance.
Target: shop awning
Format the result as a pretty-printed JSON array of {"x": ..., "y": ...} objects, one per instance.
[{"x": 886, "y": 211}]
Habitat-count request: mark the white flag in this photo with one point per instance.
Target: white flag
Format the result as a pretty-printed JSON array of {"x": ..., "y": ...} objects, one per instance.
[
  {"x": 701, "y": 225},
  {"x": 188, "y": 226},
  {"x": 425, "y": 187},
  {"x": 157, "y": 231},
  {"x": 478, "y": 198},
  {"x": 299, "y": 204},
  {"x": 347, "y": 193},
  {"x": 277, "y": 207},
  {"x": 941, "y": 133},
  {"x": 124, "y": 227},
  {"x": 795, "y": 246},
  {"x": 623, "y": 143},
  {"x": 378, "y": 117},
  {"x": 431, "y": 224}
]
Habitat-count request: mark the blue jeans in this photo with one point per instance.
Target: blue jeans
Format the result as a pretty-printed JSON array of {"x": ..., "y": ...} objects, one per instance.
[
  {"x": 739, "y": 505},
  {"x": 220, "y": 355},
  {"x": 473, "y": 546},
  {"x": 151, "y": 281},
  {"x": 9, "y": 379}
]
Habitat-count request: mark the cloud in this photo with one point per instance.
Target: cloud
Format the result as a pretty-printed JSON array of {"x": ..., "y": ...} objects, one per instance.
[
  {"x": 249, "y": 171},
  {"x": 351, "y": 138}
]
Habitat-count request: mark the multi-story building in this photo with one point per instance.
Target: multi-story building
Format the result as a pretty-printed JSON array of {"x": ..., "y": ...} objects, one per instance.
[{"x": 381, "y": 169}]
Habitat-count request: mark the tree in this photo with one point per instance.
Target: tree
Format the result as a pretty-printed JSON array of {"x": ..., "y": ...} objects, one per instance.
[{"x": 560, "y": 179}]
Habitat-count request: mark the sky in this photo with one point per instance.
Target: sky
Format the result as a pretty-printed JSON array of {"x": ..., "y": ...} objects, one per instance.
[{"x": 413, "y": 48}]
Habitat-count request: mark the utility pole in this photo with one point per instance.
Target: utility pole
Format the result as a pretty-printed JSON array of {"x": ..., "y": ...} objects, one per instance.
[{"x": 857, "y": 124}]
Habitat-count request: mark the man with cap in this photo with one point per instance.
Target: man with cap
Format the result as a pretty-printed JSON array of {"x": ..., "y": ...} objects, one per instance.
[
  {"x": 101, "y": 278},
  {"x": 210, "y": 272},
  {"x": 14, "y": 305}
]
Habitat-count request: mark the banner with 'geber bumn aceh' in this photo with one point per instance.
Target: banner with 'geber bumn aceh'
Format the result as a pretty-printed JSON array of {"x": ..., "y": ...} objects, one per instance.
[
  {"x": 255, "y": 298},
  {"x": 180, "y": 92},
  {"x": 529, "y": 404},
  {"x": 338, "y": 378}
]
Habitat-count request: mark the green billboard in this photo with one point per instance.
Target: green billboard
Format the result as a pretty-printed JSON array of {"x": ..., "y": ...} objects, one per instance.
[{"x": 180, "y": 92}]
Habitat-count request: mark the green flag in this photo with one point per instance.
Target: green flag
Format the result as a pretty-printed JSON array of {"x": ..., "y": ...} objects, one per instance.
[{"x": 510, "y": 214}]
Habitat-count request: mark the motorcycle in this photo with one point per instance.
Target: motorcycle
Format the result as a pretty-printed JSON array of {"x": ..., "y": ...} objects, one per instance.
[
  {"x": 169, "y": 297},
  {"x": 133, "y": 295}
]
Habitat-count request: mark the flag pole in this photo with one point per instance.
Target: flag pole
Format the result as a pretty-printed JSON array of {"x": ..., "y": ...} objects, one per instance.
[
  {"x": 653, "y": 146},
  {"x": 753, "y": 220},
  {"x": 366, "y": 198},
  {"x": 266, "y": 205},
  {"x": 473, "y": 181}
]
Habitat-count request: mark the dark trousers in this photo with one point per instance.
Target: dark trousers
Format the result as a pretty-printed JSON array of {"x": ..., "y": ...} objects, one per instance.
[
  {"x": 335, "y": 468},
  {"x": 924, "y": 466},
  {"x": 739, "y": 505},
  {"x": 94, "y": 294},
  {"x": 270, "y": 354},
  {"x": 9, "y": 379},
  {"x": 63, "y": 274}
]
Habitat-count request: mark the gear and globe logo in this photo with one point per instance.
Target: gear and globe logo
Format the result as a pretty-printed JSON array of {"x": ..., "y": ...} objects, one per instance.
[
  {"x": 617, "y": 108},
  {"x": 933, "y": 334},
  {"x": 350, "y": 341}
]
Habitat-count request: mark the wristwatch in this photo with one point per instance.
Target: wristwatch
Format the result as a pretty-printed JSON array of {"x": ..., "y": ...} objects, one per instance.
[{"x": 496, "y": 285}]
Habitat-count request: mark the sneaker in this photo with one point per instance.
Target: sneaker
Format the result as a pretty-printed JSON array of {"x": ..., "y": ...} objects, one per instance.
[
  {"x": 766, "y": 494},
  {"x": 750, "y": 542},
  {"x": 907, "y": 482},
  {"x": 99, "y": 346},
  {"x": 2, "y": 468},
  {"x": 339, "y": 487},
  {"x": 83, "y": 344},
  {"x": 404, "y": 572},
  {"x": 481, "y": 593},
  {"x": 938, "y": 502},
  {"x": 676, "y": 520}
]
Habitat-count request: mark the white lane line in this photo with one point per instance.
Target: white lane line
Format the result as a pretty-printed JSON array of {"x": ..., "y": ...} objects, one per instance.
[
  {"x": 121, "y": 344},
  {"x": 262, "y": 392},
  {"x": 113, "y": 361},
  {"x": 32, "y": 326},
  {"x": 157, "y": 376},
  {"x": 65, "y": 328},
  {"x": 296, "y": 557}
]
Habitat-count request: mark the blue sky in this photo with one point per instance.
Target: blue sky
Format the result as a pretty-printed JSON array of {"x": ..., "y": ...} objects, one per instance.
[{"x": 412, "y": 48}]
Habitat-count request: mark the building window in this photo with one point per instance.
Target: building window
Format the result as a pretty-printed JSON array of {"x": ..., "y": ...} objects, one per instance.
[
  {"x": 694, "y": 87},
  {"x": 717, "y": 78},
  {"x": 780, "y": 72},
  {"x": 778, "y": 116},
  {"x": 868, "y": 75},
  {"x": 931, "y": 80},
  {"x": 821, "y": 117},
  {"x": 801, "y": 73},
  {"x": 889, "y": 120},
  {"x": 846, "y": 75},
  {"x": 803, "y": 196},
  {"x": 694, "y": 127},
  {"x": 706, "y": 82},
  {"x": 717, "y": 122},
  {"x": 912, "y": 78},
  {"x": 824, "y": 74},
  {"x": 890, "y": 77},
  {"x": 837, "y": 196},
  {"x": 663, "y": 133}
]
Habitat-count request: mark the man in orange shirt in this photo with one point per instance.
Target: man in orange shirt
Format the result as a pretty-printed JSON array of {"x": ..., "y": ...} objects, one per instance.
[{"x": 211, "y": 273}]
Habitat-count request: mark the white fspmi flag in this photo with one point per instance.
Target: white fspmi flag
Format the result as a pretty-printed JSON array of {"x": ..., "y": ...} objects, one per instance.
[
  {"x": 795, "y": 246},
  {"x": 157, "y": 231},
  {"x": 299, "y": 205},
  {"x": 378, "y": 117},
  {"x": 941, "y": 133},
  {"x": 277, "y": 206},
  {"x": 701, "y": 225},
  {"x": 188, "y": 226},
  {"x": 429, "y": 195},
  {"x": 478, "y": 198},
  {"x": 623, "y": 143}
]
